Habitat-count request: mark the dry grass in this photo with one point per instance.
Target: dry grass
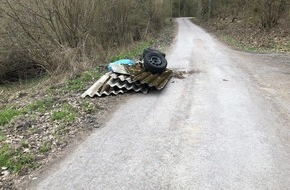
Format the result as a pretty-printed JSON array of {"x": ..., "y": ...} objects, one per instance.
[
  {"x": 244, "y": 35},
  {"x": 258, "y": 25},
  {"x": 70, "y": 36}
]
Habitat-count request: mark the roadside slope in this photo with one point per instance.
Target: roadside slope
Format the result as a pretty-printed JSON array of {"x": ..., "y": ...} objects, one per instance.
[{"x": 216, "y": 128}]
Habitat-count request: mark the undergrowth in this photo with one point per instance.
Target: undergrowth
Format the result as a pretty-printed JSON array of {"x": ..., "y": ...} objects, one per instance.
[
  {"x": 15, "y": 159},
  {"x": 246, "y": 36},
  {"x": 136, "y": 52},
  {"x": 7, "y": 114},
  {"x": 79, "y": 82},
  {"x": 51, "y": 113},
  {"x": 68, "y": 37}
]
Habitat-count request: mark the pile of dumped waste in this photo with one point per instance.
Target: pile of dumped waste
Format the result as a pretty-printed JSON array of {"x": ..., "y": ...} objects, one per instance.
[{"x": 126, "y": 75}]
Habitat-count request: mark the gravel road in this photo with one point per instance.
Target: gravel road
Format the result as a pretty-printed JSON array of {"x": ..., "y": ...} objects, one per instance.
[{"x": 225, "y": 125}]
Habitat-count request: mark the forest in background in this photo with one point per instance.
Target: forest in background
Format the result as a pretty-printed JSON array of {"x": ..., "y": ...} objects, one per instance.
[
  {"x": 266, "y": 13},
  {"x": 249, "y": 25},
  {"x": 52, "y": 36},
  {"x": 70, "y": 36}
]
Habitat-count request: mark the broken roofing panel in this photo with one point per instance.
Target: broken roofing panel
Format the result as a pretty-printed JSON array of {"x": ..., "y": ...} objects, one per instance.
[{"x": 126, "y": 78}]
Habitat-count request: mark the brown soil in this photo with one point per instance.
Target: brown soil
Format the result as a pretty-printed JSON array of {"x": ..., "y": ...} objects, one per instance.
[{"x": 183, "y": 74}]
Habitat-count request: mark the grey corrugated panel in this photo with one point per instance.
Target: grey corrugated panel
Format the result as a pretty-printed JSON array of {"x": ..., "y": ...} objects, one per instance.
[
  {"x": 160, "y": 81},
  {"x": 108, "y": 85},
  {"x": 128, "y": 86},
  {"x": 124, "y": 84},
  {"x": 140, "y": 75},
  {"x": 122, "y": 77},
  {"x": 125, "y": 78},
  {"x": 138, "y": 79},
  {"x": 154, "y": 80},
  {"x": 93, "y": 90},
  {"x": 110, "y": 92}
]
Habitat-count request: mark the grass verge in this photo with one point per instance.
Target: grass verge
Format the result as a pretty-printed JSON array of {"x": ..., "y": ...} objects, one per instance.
[
  {"x": 42, "y": 119},
  {"x": 15, "y": 159},
  {"x": 56, "y": 114},
  {"x": 7, "y": 114}
]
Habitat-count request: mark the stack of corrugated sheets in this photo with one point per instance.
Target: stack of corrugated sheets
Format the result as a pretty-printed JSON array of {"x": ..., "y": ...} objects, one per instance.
[{"x": 126, "y": 78}]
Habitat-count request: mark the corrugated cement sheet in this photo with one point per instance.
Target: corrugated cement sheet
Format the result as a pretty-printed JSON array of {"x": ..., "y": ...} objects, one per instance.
[{"x": 137, "y": 80}]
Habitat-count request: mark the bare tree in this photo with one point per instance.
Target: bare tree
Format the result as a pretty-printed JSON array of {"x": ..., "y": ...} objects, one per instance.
[{"x": 70, "y": 35}]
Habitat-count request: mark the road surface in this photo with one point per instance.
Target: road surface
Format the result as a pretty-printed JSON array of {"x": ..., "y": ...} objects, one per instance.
[{"x": 222, "y": 126}]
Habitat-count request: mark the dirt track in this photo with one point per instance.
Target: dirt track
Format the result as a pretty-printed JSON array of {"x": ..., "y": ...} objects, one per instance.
[{"x": 226, "y": 126}]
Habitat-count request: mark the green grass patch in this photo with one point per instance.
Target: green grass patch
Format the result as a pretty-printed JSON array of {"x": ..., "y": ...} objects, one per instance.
[
  {"x": 134, "y": 53},
  {"x": 67, "y": 114},
  {"x": 80, "y": 82},
  {"x": 2, "y": 137},
  {"x": 63, "y": 115},
  {"x": 24, "y": 144},
  {"x": 230, "y": 40},
  {"x": 15, "y": 160},
  {"x": 7, "y": 114},
  {"x": 88, "y": 108},
  {"x": 40, "y": 105},
  {"x": 44, "y": 147}
]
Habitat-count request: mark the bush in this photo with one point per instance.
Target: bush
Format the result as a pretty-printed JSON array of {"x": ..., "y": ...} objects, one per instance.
[
  {"x": 269, "y": 12},
  {"x": 53, "y": 36}
]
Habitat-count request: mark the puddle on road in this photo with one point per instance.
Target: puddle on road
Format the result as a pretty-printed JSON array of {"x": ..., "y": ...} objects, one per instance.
[{"x": 183, "y": 74}]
